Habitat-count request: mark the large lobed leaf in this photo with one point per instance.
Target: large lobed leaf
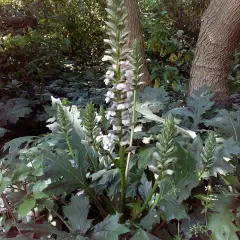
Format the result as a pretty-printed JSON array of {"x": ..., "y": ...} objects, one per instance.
[
  {"x": 77, "y": 213},
  {"x": 221, "y": 221},
  {"x": 109, "y": 228},
  {"x": 197, "y": 106},
  {"x": 142, "y": 235},
  {"x": 145, "y": 187},
  {"x": 13, "y": 109},
  {"x": 153, "y": 98},
  {"x": 15, "y": 146},
  {"x": 65, "y": 177},
  {"x": 150, "y": 220},
  {"x": 226, "y": 123}
]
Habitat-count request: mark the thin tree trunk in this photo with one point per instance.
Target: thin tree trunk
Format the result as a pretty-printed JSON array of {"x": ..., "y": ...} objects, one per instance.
[
  {"x": 218, "y": 38},
  {"x": 135, "y": 29}
]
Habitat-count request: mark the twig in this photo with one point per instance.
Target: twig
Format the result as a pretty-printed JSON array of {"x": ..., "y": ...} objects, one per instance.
[{"x": 6, "y": 204}]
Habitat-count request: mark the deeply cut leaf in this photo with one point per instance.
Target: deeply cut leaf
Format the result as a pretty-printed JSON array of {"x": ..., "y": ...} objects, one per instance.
[
  {"x": 109, "y": 228},
  {"x": 142, "y": 235},
  {"x": 77, "y": 213}
]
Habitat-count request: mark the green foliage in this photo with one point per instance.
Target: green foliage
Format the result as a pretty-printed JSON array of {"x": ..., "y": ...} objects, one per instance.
[
  {"x": 197, "y": 107},
  {"x": 150, "y": 220},
  {"x": 169, "y": 48},
  {"x": 89, "y": 178},
  {"x": 220, "y": 222},
  {"x": 226, "y": 122},
  {"x": 109, "y": 228},
  {"x": 77, "y": 213},
  {"x": 27, "y": 205},
  {"x": 185, "y": 15},
  {"x": 49, "y": 157},
  {"x": 83, "y": 26},
  {"x": 37, "y": 36},
  {"x": 13, "y": 109},
  {"x": 142, "y": 235}
]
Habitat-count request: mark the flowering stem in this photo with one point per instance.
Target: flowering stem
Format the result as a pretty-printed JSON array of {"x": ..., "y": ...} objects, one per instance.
[
  {"x": 69, "y": 146},
  {"x": 148, "y": 199},
  {"x": 132, "y": 132},
  {"x": 121, "y": 152},
  {"x": 123, "y": 180},
  {"x": 122, "y": 166},
  {"x": 60, "y": 217},
  {"x": 156, "y": 201}
]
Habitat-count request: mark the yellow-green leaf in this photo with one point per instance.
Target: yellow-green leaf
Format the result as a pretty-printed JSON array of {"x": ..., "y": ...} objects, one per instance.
[
  {"x": 27, "y": 205},
  {"x": 157, "y": 83},
  {"x": 173, "y": 58}
]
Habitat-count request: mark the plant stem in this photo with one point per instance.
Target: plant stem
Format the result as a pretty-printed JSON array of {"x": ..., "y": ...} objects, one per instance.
[
  {"x": 69, "y": 146},
  {"x": 98, "y": 204},
  {"x": 60, "y": 217},
  {"x": 148, "y": 199},
  {"x": 120, "y": 134},
  {"x": 108, "y": 204},
  {"x": 8, "y": 207},
  {"x": 132, "y": 132},
  {"x": 100, "y": 208},
  {"x": 156, "y": 201},
  {"x": 123, "y": 180}
]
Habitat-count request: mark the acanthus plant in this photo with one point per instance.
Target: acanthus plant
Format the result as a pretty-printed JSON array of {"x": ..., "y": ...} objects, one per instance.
[{"x": 89, "y": 176}]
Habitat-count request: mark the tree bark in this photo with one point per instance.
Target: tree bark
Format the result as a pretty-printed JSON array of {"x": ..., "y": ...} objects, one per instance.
[
  {"x": 218, "y": 38},
  {"x": 135, "y": 29}
]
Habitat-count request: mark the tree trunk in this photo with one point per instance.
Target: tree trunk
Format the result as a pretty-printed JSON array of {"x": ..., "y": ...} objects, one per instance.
[
  {"x": 135, "y": 29},
  {"x": 218, "y": 38}
]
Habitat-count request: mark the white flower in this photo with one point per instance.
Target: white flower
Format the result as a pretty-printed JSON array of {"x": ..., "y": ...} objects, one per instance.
[
  {"x": 138, "y": 128},
  {"x": 109, "y": 77},
  {"x": 122, "y": 106},
  {"x": 122, "y": 86},
  {"x": 129, "y": 95},
  {"x": 98, "y": 118},
  {"x": 110, "y": 74},
  {"x": 126, "y": 122},
  {"x": 99, "y": 138},
  {"x": 106, "y": 81},
  {"x": 129, "y": 75},
  {"x": 125, "y": 142},
  {"x": 108, "y": 143},
  {"x": 116, "y": 128},
  {"x": 110, "y": 94},
  {"x": 107, "y": 99},
  {"x": 113, "y": 137},
  {"x": 146, "y": 140},
  {"x": 110, "y": 114}
]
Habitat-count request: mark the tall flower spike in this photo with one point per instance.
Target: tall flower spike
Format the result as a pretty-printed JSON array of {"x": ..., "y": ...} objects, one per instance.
[
  {"x": 119, "y": 74},
  {"x": 62, "y": 120},
  {"x": 89, "y": 119},
  {"x": 166, "y": 147},
  {"x": 136, "y": 64},
  {"x": 207, "y": 153},
  {"x": 64, "y": 126}
]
